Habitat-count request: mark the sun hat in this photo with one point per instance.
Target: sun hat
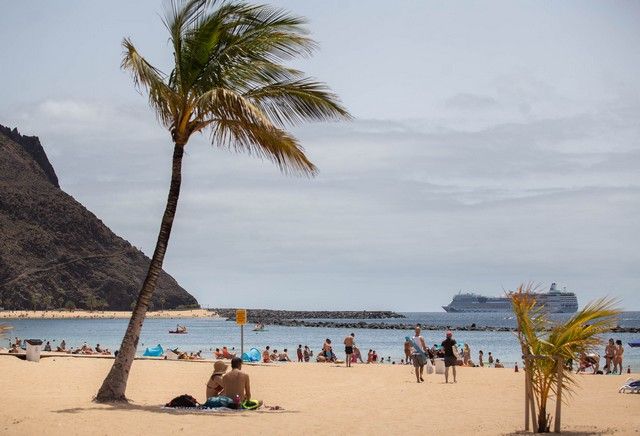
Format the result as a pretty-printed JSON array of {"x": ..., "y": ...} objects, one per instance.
[{"x": 219, "y": 367}]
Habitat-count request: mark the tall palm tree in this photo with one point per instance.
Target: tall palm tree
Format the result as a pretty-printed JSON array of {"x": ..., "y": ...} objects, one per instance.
[
  {"x": 550, "y": 346},
  {"x": 228, "y": 78}
]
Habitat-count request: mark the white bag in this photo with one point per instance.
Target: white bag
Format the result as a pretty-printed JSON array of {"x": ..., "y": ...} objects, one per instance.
[{"x": 429, "y": 367}]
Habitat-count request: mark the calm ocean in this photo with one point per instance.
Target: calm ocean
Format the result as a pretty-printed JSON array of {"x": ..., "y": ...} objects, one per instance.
[{"x": 207, "y": 334}]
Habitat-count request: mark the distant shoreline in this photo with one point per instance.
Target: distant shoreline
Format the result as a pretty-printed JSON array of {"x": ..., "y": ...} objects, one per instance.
[{"x": 103, "y": 314}]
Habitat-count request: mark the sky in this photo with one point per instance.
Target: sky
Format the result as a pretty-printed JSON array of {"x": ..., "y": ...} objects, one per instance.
[{"x": 493, "y": 143}]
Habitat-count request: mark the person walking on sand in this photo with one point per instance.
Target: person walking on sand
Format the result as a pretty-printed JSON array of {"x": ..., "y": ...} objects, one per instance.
[
  {"x": 480, "y": 358},
  {"x": 348, "y": 348},
  {"x": 450, "y": 358},
  {"x": 419, "y": 355}
]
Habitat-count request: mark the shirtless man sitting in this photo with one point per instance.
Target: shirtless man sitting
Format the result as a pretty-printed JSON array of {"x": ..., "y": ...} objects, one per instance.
[
  {"x": 284, "y": 356},
  {"x": 236, "y": 382},
  {"x": 62, "y": 348}
]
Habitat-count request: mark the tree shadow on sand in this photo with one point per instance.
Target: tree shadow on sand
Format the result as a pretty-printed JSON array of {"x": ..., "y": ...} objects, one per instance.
[
  {"x": 593, "y": 432},
  {"x": 163, "y": 410}
]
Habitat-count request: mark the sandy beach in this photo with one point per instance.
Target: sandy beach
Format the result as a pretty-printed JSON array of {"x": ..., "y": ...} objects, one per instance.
[
  {"x": 55, "y": 394},
  {"x": 107, "y": 314}
]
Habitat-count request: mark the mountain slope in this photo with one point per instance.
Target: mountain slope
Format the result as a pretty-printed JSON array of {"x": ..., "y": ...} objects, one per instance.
[{"x": 56, "y": 253}]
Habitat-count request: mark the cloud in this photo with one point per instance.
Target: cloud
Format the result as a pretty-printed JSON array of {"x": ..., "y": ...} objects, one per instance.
[
  {"x": 468, "y": 101},
  {"x": 402, "y": 211}
]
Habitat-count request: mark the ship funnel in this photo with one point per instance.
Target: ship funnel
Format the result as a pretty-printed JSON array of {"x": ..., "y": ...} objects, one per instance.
[{"x": 553, "y": 287}]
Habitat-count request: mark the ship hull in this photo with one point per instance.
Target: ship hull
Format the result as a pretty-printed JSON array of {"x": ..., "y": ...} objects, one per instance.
[{"x": 554, "y": 301}]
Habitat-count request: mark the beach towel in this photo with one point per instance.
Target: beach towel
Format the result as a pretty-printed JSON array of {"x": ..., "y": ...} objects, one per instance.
[
  {"x": 226, "y": 402},
  {"x": 422, "y": 357},
  {"x": 217, "y": 402}
]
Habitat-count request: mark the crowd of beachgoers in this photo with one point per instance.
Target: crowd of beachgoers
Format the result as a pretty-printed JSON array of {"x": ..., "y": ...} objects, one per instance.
[
  {"x": 18, "y": 345},
  {"x": 415, "y": 351},
  {"x": 613, "y": 360}
]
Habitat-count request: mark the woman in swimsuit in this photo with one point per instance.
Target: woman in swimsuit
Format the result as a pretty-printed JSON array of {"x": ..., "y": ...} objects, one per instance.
[
  {"x": 617, "y": 360},
  {"x": 466, "y": 355},
  {"x": 214, "y": 385},
  {"x": 609, "y": 354}
]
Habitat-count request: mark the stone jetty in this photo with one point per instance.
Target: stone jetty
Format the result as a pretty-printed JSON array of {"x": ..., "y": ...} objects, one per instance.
[
  {"x": 274, "y": 317},
  {"x": 332, "y": 319}
]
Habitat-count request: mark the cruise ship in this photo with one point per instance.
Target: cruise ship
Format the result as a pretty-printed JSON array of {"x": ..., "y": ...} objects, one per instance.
[{"x": 554, "y": 301}]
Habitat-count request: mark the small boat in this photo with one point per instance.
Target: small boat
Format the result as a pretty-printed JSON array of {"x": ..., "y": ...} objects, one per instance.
[
  {"x": 259, "y": 327},
  {"x": 180, "y": 330},
  {"x": 634, "y": 344}
]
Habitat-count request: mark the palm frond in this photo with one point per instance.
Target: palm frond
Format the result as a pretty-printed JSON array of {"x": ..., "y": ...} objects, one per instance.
[
  {"x": 224, "y": 104},
  {"x": 264, "y": 31},
  {"x": 266, "y": 142},
  {"x": 178, "y": 18},
  {"x": 161, "y": 97},
  {"x": 581, "y": 333},
  {"x": 294, "y": 101},
  {"x": 229, "y": 76}
]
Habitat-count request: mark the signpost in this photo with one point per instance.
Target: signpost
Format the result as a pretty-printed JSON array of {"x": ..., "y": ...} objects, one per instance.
[{"x": 241, "y": 320}]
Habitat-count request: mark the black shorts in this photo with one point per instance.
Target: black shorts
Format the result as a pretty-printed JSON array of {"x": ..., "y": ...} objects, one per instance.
[
  {"x": 450, "y": 361},
  {"x": 348, "y": 349}
]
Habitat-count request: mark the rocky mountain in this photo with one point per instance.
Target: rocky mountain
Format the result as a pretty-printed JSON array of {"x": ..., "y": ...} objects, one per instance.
[{"x": 54, "y": 252}]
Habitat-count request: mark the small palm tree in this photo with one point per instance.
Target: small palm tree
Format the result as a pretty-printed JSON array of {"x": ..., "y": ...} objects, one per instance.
[
  {"x": 228, "y": 78},
  {"x": 549, "y": 348}
]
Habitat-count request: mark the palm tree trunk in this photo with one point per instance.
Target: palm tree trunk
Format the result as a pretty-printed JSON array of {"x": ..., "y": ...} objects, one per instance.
[
  {"x": 543, "y": 425},
  {"x": 114, "y": 385}
]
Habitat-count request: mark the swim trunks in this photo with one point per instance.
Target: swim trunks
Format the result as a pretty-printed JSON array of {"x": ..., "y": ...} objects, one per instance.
[
  {"x": 348, "y": 349},
  {"x": 450, "y": 361}
]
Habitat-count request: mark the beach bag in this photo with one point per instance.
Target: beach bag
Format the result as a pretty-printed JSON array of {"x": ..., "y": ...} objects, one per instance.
[
  {"x": 430, "y": 368},
  {"x": 250, "y": 404},
  {"x": 217, "y": 402},
  {"x": 456, "y": 352},
  {"x": 421, "y": 358},
  {"x": 183, "y": 401}
]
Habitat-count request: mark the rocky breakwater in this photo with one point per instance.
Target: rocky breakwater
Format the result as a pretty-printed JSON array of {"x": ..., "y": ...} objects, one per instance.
[
  {"x": 405, "y": 326},
  {"x": 383, "y": 325},
  {"x": 331, "y": 319}
]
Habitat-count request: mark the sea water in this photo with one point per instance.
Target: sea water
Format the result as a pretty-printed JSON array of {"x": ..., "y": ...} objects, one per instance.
[{"x": 206, "y": 334}]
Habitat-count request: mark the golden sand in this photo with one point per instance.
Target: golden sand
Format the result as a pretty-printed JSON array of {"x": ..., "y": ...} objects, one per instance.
[
  {"x": 66, "y": 314},
  {"x": 54, "y": 397}
]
